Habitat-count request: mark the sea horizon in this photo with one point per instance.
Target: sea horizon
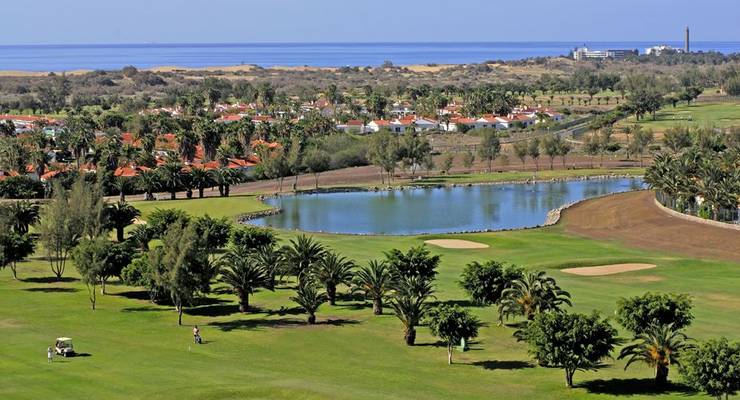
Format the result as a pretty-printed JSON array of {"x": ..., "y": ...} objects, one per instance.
[{"x": 71, "y": 57}]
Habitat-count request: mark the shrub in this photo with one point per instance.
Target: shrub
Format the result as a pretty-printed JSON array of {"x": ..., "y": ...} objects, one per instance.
[
  {"x": 161, "y": 219},
  {"x": 252, "y": 237},
  {"x": 21, "y": 187},
  {"x": 638, "y": 313},
  {"x": 484, "y": 283}
]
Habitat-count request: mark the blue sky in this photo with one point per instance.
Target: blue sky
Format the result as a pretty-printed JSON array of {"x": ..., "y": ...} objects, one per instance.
[{"x": 191, "y": 21}]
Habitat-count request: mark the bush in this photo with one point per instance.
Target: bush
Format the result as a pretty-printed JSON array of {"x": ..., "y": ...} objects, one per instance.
[
  {"x": 713, "y": 367},
  {"x": 214, "y": 231},
  {"x": 484, "y": 283},
  {"x": 162, "y": 219},
  {"x": 637, "y": 313},
  {"x": 21, "y": 187},
  {"x": 252, "y": 237}
]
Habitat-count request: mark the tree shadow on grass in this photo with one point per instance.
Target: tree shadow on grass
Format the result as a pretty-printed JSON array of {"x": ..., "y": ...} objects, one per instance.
[
  {"x": 631, "y": 387},
  {"x": 500, "y": 364},
  {"x": 49, "y": 279},
  {"x": 151, "y": 308},
  {"x": 52, "y": 290},
  {"x": 213, "y": 310},
  {"x": 134, "y": 295},
  {"x": 259, "y": 323}
]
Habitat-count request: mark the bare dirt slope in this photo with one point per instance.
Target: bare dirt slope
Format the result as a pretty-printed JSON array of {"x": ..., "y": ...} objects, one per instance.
[{"x": 634, "y": 219}]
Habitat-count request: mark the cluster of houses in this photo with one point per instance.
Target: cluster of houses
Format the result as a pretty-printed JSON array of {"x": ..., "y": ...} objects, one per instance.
[{"x": 451, "y": 121}]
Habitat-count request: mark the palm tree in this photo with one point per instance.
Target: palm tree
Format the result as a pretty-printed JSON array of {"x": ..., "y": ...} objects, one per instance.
[
  {"x": 218, "y": 176},
  {"x": 23, "y": 214},
  {"x": 301, "y": 254},
  {"x": 201, "y": 179},
  {"x": 119, "y": 216},
  {"x": 659, "y": 347},
  {"x": 141, "y": 235},
  {"x": 149, "y": 182},
  {"x": 374, "y": 281},
  {"x": 231, "y": 177},
  {"x": 272, "y": 259},
  {"x": 310, "y": 299},
  {"x": 186, "y": 144},
  {"x": 410, "y": 304},
  {"x": 171, "y": 175},
  {"x": 240, "y": 271},
  {"x": 333, "y": 270},
  {"x": 122, "y": 184},
  {"x": 532, "y": 294}
]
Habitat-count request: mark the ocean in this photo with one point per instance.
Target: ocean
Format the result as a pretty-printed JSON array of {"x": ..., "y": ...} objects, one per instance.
[{"x": 115, "y": 56}]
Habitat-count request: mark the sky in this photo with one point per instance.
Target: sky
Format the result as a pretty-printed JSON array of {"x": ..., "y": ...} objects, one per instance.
[{"x": 245, "y": 21}]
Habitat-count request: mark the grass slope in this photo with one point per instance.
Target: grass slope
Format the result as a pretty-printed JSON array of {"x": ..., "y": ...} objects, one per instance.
[
  {"x": 716, "y": 114},
  {"x": 136, "y": 350}
]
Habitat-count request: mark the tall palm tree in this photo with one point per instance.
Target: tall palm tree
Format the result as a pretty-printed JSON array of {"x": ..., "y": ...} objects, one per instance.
[
  {"x": 119, "y": 216},
  {"x": 200, "y": 179},
  {"x": 301, "y": 254},
  {"x": 375, "y": 282},
  {"x": 410, "y": 304},
  {"x": 244, "y": 275},
  {"x": 122, "y": 184},
  {"x": 270, "y": 258},
  {"x": 659, "y": 347},
  {"x": 171, "y": 176},
  {"x": 149, "y": 182},
  {"x": 231, "y": 177},
  {"x": 333, "y": 270},
  {"x": 532, "y": 294},
  {"x": 186, "y": 144},
  {"x": 218, "y": 177},
  {"x": 310, "y": 299}
]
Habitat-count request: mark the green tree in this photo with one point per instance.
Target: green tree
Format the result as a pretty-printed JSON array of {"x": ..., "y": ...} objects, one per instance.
[
  {"x": 383, "y": 152},
  {"x": 170, "y": 175},
  {"x": 301, "y": 254},
  {"x": 374, "y": 281},
  {"x": 452, "y": 324},
  {"x": 569, "y": 341},
  {"x": 490, "y": 147},
  {"x": 333, "y": 270},
  {"x": 119, "y": 216},
  {"x": 658, "y": 346},
  {"x": 521, "y": 150},
  {"x": 551, "y": 146},
  {"x": 89, "y": 259},
  {"x": 447, "y": 163},
  {"x": 214, "y": 232},
  {"x": 485, "y": 283},
  {"x": 533, "y": 149},
  {"x": 416, "y": 262},
  {"x": 180, "y": 266},
  {"x": 713, "y": 367},
  {"x": 413, "y": 150},
  {"x": 310, "y": 299},
  {"x": 317, "y": 161},
  {"x": 592, "y": 146},
  {"x": 21, "y": 215},
  {"x": 533, "y": 294},
  {"x": 468, "y": 160},
  {"x": 642, "y": 138},
  {"x": 677, "y": 138},
  {"x": 240, "y": 271},
  {"x": 410, "y": 304},
  {"x": 639, "y": 313},
  {"x": 149, "y": 182},
  {"x": 200, "y": 179},
  {"x": 14, "y": 246},
  {"x": 59, "y": 230}
]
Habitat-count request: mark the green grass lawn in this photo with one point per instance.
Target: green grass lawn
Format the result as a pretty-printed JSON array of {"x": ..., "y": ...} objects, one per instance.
[
  {"x": 134, "y": 349},
  {"x": 716, "y": 114},
  {"x": 512, "y": 176},
  {"x": 230, "y": 207}
]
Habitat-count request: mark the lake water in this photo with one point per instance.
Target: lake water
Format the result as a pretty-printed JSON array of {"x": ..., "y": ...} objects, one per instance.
[
  {"x": 439, "y": 210},
  {"x": 115, "y": 56}
]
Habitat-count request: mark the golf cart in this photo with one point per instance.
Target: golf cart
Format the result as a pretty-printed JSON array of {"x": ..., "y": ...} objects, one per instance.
[{"x": 63, "y": 347}]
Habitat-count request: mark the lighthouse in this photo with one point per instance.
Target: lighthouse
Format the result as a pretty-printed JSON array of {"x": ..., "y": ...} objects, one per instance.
[{"x": 686, "y": 47}]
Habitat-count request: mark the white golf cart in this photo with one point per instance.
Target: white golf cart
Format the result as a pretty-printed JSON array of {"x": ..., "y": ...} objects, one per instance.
[{"x": 63, "y": 347}]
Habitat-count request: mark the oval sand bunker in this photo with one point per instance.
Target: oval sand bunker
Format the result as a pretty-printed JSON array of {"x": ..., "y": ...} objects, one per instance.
[
  {"x": 456, "y": 244},
  {"x": 607, "y": 269}
]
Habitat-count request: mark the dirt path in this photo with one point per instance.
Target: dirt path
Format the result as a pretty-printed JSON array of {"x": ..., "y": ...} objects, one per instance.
[{"x": 634, "y": 219}]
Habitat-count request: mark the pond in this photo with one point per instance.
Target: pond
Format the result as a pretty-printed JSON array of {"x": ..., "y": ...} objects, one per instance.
[{"x": 435, "y": 210}]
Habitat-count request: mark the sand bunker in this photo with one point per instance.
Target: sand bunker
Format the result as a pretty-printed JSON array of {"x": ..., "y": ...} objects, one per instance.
[
  {"x": 607, "y": 269},
  {"x": 456, "y": 244}
]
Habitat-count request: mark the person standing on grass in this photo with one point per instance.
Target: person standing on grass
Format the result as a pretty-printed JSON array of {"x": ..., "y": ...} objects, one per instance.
[
  {"x": 50, "y": 355},
  {"x": 196, "y": 333}
]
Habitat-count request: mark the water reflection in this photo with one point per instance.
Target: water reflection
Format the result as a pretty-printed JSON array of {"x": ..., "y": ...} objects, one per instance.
[{"x": 415, "y": 211}]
